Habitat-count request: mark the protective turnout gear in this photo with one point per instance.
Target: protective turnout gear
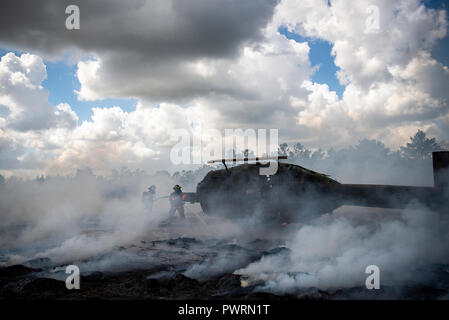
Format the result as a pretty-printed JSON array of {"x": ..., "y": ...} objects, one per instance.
[
  {"x": 177, "y": 199},
  {"x": 148, "y": 198}
]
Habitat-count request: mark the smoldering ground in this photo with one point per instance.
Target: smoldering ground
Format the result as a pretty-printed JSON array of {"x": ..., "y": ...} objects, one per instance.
[
  {"x": 101, "y": 226},
  {"x": 66, "y": 218},
  {"x": 333, "y": 251}
]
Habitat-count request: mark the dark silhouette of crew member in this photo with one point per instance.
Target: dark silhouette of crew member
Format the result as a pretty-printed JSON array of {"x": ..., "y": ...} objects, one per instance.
[
  {"x": 177, "y": 198},
  {"x": 148, "y": 198}
]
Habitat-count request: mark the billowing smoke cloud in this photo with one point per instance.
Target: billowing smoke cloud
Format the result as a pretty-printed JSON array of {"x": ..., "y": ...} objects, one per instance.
[
  {"x": 334, "y": 251},
  {"x": 75, "y": 218},
  {"x": 100, "y": 224}
]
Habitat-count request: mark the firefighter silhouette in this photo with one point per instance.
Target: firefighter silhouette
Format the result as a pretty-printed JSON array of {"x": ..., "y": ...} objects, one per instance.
[{"x": 177, "y": 198}]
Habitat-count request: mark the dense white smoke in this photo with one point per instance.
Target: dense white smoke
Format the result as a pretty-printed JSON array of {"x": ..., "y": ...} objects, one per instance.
[
  {"x": 87, "y": 219},
  {"x": 334, "y": 250},
  {"x": 67, "y": 219}
]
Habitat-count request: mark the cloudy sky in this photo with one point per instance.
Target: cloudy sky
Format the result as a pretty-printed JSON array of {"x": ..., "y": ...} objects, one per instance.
[{"x": 326, "y": 73}]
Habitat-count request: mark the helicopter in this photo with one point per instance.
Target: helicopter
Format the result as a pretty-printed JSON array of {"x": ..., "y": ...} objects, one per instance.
[{"x": 295, "y": 192}]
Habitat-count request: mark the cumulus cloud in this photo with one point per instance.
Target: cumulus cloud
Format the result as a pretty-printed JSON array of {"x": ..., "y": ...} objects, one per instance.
[
  {"x": 27, "y": 115},
  {"x": 156, "y": 30},
  {"x": 392, "y": 80},
  {"x": 24, "y": 100},
  {"x": 222, "y": 64},
  {"x": 144, "y": 48},
  {"x": 39, "y": 137}
]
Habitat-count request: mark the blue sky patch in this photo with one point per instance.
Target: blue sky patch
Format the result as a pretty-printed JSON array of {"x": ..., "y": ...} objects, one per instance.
[
  {"x": 320, "y": 55},
  {"x": 61, "y": 84},
  {"x": 441, "y": 48}
]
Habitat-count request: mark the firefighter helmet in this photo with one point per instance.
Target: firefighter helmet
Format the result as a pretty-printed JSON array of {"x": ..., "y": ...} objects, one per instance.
[{"x": 177, "y": 187}]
